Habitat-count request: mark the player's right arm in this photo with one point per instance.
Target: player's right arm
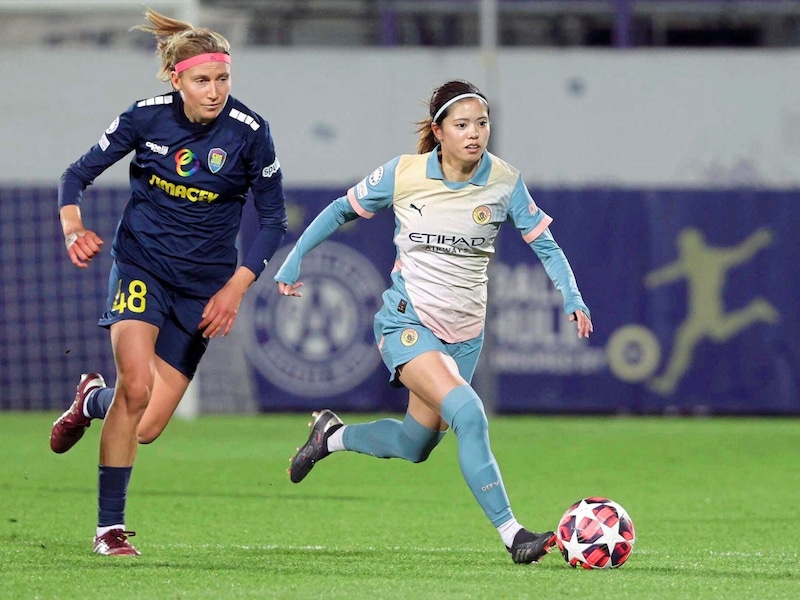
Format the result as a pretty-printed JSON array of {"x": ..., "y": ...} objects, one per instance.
[
  {"x": 373, "y": 193},
  {"x": 336, "y": 214},
  {"x": 82, "y": 244},
  {"x": 117, "y": 141}
]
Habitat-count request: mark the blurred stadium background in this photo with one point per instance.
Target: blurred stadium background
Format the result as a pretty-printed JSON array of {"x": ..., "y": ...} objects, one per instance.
[{"x": 662, "y": 136}]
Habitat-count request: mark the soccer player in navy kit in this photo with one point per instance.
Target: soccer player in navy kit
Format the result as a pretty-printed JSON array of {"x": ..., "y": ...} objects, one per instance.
[
  {"x": 174, "y": 282},
  {"x": 449, "y": 201}
]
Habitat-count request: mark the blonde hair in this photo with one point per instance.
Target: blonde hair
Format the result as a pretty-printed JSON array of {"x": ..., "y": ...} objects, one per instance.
[
  {"x": 426, "y": 141},
  {"x": 177, "y": 40}
]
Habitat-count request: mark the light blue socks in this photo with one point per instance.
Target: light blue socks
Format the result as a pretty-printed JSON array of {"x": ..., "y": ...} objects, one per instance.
[
  {"x": 390, "y": 438},
  {"x": 462, "y": 409}
]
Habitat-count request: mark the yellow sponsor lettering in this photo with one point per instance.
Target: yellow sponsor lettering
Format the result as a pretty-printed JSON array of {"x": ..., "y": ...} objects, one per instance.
[
  {"x": 167, "y": 187},
  {"x": 181, "y": 191}
]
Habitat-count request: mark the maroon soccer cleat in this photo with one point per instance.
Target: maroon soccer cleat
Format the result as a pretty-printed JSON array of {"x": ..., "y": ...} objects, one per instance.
[
  {"x": 71, "y": 426},
  {"x": 115, "y": 543}
]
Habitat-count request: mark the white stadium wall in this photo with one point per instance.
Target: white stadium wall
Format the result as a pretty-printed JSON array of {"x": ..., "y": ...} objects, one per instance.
[{"x": 565, "y": 118}]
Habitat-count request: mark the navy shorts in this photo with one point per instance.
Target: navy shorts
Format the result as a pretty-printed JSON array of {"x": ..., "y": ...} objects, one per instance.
[{"x": 135, "y": 294}]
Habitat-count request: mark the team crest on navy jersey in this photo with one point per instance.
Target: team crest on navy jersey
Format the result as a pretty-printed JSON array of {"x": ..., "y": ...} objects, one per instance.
[{"x": 216, "y": 158}]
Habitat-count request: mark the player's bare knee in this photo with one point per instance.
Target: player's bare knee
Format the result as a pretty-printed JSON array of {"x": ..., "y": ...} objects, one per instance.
[
  {"x": 134, "y": 396},
  {"x": 148, "y": 435}
]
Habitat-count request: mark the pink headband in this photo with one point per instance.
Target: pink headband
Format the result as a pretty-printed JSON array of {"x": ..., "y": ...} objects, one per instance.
[{"x": 200, "y": 59}]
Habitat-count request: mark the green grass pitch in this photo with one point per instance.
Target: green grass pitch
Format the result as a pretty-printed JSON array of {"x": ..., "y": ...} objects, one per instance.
[{"x": 714, "y": 502}]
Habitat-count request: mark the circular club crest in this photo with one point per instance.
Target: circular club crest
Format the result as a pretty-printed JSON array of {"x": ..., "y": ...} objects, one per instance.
[
  {"x": 482, "y": 215},
  {"x": 409, "y": 337},
  {"x": 321, "y": 344}
]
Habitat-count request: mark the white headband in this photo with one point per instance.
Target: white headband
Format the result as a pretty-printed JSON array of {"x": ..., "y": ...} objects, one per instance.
[{"x": 456, "y": 99}]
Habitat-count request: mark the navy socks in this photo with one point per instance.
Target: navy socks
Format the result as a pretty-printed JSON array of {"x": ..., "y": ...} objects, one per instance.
[
  {"x": 112, "y": 491},
  {"x": 98, "y": 402}
]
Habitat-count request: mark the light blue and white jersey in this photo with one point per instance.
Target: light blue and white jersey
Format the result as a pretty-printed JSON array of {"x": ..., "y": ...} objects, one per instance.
[{"x": 445, "y": 233}]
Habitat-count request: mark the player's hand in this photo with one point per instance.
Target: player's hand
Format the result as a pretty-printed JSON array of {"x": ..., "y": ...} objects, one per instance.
[
  {"x": 82, "y": 246},
  {"x": 290, "y": 289},
  {"x": 585, "y": 326},
  {"x": 220, "y": 312}
]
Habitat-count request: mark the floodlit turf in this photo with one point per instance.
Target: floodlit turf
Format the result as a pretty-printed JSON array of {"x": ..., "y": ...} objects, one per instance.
[{"x": 713, "y": 500}]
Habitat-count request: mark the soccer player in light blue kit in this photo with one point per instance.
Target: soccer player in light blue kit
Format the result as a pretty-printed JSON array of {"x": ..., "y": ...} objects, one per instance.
[
  {"x": 174, "y": 283},
  {"x": 449, "y": 201}
]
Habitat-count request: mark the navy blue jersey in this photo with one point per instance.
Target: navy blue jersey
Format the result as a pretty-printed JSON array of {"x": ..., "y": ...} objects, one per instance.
[{"x": 189, "y": 183}]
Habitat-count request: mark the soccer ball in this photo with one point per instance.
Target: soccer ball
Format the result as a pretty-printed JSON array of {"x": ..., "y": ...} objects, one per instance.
[{"x": 595, "y": 533}]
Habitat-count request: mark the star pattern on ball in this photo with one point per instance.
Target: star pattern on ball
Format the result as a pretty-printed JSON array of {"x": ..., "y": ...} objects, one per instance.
[
  {"x": 574, "y": 549},
  {"x": 611, "y": 535},
  {"x": 590, "y": 531}
]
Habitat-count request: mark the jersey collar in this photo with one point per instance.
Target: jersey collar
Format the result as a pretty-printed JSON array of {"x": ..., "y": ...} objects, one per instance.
[{"x": 481, "y": 176}]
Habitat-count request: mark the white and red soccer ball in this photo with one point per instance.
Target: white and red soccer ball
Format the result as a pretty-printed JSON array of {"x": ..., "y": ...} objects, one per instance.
[{"x": 595, "y": 533}]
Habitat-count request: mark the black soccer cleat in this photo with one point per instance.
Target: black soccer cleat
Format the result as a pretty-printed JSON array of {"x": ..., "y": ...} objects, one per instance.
[
  {"x": 529, "y": 547},
  {"x": 316, "y": 448}
]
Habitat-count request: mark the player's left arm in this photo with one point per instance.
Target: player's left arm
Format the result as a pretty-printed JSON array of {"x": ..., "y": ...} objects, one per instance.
[
  {"x": 266, "y": 180},
  {"x": 533, "y": 223}
]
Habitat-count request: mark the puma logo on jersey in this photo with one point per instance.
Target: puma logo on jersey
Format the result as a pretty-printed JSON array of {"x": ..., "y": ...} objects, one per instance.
[{"x": 419, "y": 210}]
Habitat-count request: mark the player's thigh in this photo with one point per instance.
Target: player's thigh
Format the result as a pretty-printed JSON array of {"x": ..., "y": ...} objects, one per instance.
[
  {"x": 424, "y": 414},
  {"x": 466, "y": 355},
  {"x": 168, "y": 390},
  {"x": 133, "y": 343},
  {"x": 431, "y": 376}
]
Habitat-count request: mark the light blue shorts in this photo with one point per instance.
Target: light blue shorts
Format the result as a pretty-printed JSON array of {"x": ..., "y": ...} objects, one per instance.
[{"x": 400, "y": 340}]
